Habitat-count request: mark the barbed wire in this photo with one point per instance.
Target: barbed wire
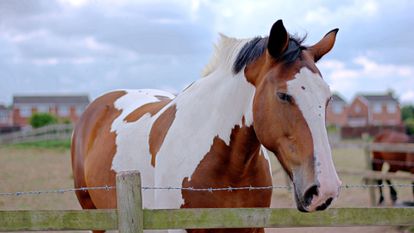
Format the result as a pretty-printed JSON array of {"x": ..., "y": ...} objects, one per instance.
[
  {"x": 54, "y": 191},
  {"x": 228, "y": 189}
]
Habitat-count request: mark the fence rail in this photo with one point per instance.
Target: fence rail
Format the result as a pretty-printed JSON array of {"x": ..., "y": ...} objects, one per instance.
[
  {"x": 392, "y": 147},
  {"x": 131, "y": 217},
  {"x": 49, "y": 132},
  {"x": 205, "y": 218}
]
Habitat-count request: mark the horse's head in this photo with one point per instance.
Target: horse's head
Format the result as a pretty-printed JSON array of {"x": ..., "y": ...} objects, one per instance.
[{"x": 289, "y": 114}]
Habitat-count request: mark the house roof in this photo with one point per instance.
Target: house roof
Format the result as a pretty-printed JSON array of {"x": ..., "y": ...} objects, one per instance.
[
  {"x": 337, "y": 98},
  {"x": 381, "y": 98},
  {"x": 2, "y": 107},
  {"x": 58, "y": 99}
]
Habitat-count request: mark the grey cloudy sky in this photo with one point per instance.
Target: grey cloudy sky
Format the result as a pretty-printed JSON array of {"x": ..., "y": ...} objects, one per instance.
[{"x": 79, "y": 46}]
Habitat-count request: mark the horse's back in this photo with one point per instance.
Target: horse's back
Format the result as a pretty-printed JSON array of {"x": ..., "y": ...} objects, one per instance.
[
  {"x": 396, "y": 160},
  {"x": 94, "y": 143},
  {"x": 389, "y": 136}
]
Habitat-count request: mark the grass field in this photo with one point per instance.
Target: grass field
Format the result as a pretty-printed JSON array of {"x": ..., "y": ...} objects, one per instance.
[
  {"x": 48, "y": 166},
  {"x": 53, "y": 144}
]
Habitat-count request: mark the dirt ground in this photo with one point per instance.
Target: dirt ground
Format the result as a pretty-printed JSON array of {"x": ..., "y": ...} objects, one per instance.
[{"x": 44, "y": 169}]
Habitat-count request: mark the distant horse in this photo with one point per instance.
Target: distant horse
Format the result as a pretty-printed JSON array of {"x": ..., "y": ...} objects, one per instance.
[
  {"x": 255, "y": 95},
  {"x": 396, "y": 161}
]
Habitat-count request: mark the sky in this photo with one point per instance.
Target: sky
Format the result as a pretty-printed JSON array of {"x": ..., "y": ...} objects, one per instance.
[{"x": 92, "y": 47}]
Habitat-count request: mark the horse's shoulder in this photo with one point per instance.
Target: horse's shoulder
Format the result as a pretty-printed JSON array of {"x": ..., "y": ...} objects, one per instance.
[{"x": 98, "y": 113}]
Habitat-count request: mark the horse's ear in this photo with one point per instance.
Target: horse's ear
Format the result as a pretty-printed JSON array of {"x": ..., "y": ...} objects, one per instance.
[
  {"x": 278, "y": 39},
  {"x": 325, "y": 45}
]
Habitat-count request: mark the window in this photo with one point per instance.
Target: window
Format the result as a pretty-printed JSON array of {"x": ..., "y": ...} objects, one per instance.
[
  {"x": 79, "y": 110},
  {"x": 25, "y": 111},
  {"x": 63, "y": 110},
  {"x": 391, "y": 108},
  {"x": 357, "y": 109},
  {"x": 337, "y": 108},
  {"x": 377, "y": 108},
  {"x": 43, "y": 108},
  {"x": 3, "y": 116}
]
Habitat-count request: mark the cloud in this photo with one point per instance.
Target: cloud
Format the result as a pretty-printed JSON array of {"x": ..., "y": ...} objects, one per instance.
[
  {"x": 350, "y": 11},
  {"x": 366, "y": 75},
  {"x": 407, "y": 96},
  {"x": 100, "y": 46},
  {"x": 96, "y": 46}
]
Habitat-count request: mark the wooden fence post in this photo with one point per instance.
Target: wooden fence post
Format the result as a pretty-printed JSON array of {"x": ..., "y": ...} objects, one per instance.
[
  {"x": 129, "y": 202},
  {"x": 368, "y": 164}
]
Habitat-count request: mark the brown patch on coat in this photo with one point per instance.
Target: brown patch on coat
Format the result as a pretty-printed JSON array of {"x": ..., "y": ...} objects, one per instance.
[
  {"x": 93, "y": 148},
  {"x": 239, "y": 164},
  {"x": 159, "y": 130},
  {"x": 151, "y": 108}
]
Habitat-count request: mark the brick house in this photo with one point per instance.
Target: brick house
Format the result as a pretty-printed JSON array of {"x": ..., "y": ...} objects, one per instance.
[
  {"x": 374, "y": 110},
  {"x": 5, "y": 116},
  {"x": 66, "y": 107},
  {"x": 336, "y": 111}
]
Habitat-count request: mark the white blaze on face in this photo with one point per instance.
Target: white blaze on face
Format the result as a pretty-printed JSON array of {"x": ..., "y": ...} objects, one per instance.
[{"x": 311, "y": 93}]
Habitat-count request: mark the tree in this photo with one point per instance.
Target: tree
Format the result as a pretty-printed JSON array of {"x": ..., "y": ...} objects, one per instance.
[
  {"x": 409, "y": 125},
  {"x": 41, "y": 119},
  {"x": 407, "y": 112}
]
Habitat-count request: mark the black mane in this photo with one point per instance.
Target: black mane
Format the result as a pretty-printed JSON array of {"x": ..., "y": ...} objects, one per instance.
[{"x": 257, "y": 46}]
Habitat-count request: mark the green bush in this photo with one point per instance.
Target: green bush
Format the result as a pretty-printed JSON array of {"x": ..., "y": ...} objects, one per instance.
[
  {"x": 409, "y": 124},
  {"x": 407, "y": 112},
  {"x": 41, "y": 119}
]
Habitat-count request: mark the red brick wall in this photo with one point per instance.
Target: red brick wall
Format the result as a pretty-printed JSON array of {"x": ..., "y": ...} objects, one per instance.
[
  {"x": 23, "y": 121},
  {"x": 333, "y": 118},
  {"x": 18, "y": 119},
  {"x": 353, "y": 114},
  {"x": 385, "y": 117}
]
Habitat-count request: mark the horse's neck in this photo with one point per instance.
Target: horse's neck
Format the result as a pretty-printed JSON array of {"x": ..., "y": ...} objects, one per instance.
[
  {"x": 217, "y": 103},
  {"x": 209, "y": 111}
]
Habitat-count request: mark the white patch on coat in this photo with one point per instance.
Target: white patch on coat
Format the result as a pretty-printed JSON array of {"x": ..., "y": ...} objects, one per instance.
[
  {"x": 211, "y": 107},
  {"x": 132, "y": 149},
  {"x": 265, "y": 153},
  {"x": 311, "y": 93}
]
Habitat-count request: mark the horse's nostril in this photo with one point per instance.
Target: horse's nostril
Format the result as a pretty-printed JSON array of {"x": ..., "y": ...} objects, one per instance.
[
  {"x": 325, "y": 205},
  {"x": 329, "y": 201},
  {"x": 307, "y": 198}
]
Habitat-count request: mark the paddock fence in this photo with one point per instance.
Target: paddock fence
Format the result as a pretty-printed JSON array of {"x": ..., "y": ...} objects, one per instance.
[
  {"x": 370, "y": 177},
  {"x": 130, "y": 216},
  {"x": 49, "y": 132}
]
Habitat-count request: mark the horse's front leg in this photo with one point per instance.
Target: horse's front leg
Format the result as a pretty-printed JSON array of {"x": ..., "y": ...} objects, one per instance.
[
  {"x": 413, "y": 189},
  {"x": 381, "y": 195},
  {"x": 393, "y": 192}
]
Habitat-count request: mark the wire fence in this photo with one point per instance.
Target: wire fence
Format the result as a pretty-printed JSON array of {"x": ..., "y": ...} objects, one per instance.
[{"x": 228, "y": 189}]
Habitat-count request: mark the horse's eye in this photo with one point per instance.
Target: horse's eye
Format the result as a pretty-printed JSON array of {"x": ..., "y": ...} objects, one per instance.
[{"x": 285, "y": 97}]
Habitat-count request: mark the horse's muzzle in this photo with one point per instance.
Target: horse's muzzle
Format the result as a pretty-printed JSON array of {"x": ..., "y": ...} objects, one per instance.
[{"x": 315, "y": 198}]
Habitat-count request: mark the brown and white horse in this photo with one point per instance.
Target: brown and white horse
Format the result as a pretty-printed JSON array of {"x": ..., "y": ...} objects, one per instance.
[
  {"x": 396, "y": 161},
  {"x": 255, "y": 95}
]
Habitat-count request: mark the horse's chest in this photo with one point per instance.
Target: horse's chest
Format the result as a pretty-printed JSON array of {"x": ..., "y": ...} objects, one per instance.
[{"x": 218, "y": 171}]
